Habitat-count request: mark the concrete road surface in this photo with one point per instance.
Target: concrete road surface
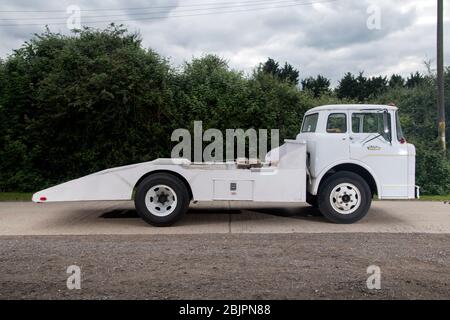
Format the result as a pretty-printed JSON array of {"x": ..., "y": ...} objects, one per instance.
[{"x": 116, "y": 218}]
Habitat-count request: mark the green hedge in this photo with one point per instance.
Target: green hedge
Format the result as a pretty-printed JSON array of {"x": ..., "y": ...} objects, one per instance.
[{"x": 73, "y": 105}]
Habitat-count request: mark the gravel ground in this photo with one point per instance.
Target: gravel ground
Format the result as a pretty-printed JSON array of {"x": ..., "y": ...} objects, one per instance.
[{"x": 229, "y": 266}]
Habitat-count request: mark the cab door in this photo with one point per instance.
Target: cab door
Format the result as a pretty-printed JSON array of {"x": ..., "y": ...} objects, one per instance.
[
  {"x": 370, "y": 144},
  {"x": 332, "y": 143}
]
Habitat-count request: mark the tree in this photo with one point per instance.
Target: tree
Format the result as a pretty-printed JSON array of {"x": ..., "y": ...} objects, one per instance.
[
  {"x": 206, "y": 89},
  {"x": 80, "y": 103},
  {"x": 347, "y": 87},
  {"x": 271, "y": 67},
  {"x": 361, "y": 88},
  {"x": 375, "y": 86},
  {"x": 396, "y": 81},
  {"x": 414, "y": 80},
  {"x": 287, "y": 73},
  {"x": 317, "y": 86}
]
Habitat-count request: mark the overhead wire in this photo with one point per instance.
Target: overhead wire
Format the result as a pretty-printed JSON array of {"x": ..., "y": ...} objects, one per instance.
[
  {"x": 250, "y": 8},
  {"x": 237, "y": 5}
]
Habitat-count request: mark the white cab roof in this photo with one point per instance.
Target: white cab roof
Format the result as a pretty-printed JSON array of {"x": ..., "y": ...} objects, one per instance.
[{"x": 359, "y": 107}]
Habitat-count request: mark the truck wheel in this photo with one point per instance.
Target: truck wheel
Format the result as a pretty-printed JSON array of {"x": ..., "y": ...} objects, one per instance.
[
  {"x": 161, "y": 199},
  {"x": 344, "y": 197}
]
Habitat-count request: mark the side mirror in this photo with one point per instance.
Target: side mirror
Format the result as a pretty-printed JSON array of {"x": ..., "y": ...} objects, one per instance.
[{"x": 386, "y": 125}]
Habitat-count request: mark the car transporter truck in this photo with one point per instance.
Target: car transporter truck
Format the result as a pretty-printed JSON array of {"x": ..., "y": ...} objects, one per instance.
[{"x": 343, "y": 156}]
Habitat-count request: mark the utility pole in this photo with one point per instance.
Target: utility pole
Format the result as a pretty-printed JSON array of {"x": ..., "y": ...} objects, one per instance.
[{"x": 440, "y": 73}]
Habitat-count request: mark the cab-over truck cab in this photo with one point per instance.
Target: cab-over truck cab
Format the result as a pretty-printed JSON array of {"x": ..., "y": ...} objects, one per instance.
[{"x": 362, "y": 142}]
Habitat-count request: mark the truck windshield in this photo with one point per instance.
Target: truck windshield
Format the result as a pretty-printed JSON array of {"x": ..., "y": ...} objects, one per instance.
[
  {"x": 310, "y": 123},
  {"x": 370, "y": 122}
]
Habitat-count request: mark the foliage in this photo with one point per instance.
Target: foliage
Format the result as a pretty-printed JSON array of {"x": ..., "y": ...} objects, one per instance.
[
  {"x": 73, "y": 105},
  {"x": 317, "y": 86},
  {"x": 360, "y": 87},
  {"x": 396, "y": 81},
  {"x": 286, "y": 73},
  {"x": 414, "y": 80}
]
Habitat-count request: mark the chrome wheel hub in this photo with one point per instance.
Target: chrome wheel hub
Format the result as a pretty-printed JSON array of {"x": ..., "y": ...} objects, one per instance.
[
  {"x": 345, "y": 198},
  {"x": 161, "y": 200}
]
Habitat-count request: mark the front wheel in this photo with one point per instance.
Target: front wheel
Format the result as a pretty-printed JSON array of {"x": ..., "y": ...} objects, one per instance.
[
  {"x": 344, "y": 197},
  {"x": 161, "y": 199}
]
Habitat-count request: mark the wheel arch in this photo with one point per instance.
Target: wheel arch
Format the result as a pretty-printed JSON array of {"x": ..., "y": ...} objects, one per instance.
[
  {"x": 356, "y": 167},
  {"x": 173, "y": 173}
]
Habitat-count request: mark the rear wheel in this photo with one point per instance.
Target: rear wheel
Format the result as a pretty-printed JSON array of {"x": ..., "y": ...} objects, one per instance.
[
  {"x": 344, "y": 197},
  {"x": 161, "y": 199}
]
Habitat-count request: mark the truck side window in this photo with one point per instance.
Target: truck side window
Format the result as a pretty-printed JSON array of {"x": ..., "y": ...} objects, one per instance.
[
  {"x": 337, "y": 123},
  {"x": 400, "y": 136},
  {"x": 310, "y": 123},
  {"x": 370, "y": 122}
]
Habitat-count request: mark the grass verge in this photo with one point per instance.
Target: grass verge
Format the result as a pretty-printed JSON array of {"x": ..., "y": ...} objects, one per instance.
[
  {"x": 435, "y": 198},
  {"x": 15, "y": 196}
]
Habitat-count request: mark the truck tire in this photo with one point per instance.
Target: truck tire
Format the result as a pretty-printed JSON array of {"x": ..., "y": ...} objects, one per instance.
[
  {"x": 161, "y": 199},
  {"x": 344, "y": 197}
]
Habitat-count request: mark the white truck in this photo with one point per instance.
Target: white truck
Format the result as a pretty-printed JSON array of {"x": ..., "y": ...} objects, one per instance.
[{"x": 343, "y": 156}]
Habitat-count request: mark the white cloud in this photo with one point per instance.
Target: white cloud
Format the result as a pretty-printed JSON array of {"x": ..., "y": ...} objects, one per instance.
[{"x": 327, "y": 38}]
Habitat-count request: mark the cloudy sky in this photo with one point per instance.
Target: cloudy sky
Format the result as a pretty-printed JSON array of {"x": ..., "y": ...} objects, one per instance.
[{"x": 328, "y": 37}]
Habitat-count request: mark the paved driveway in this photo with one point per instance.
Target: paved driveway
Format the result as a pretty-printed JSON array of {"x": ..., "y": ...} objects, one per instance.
[{"x": 83, "y": 218}]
